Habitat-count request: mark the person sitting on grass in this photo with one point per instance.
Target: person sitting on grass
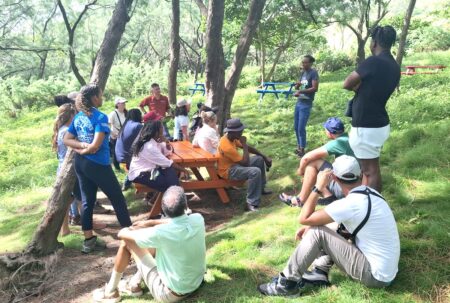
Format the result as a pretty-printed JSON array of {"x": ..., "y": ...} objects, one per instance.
[
  {"x": 313, "y": 162},
  {"x": 169, "y": 254},
  {"x": 371, "y": 257},
  {"x": 234, "y": 166},
  {"x": 125, "y": 139},
  {"x": 150, "y": 164}
]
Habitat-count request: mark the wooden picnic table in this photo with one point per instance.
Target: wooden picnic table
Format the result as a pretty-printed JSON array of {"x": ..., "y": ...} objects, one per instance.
[
  {"x": 274, "y": 88},
  {"x": 198, "y": 87},
  {"x": 411, "y": 69},
  {"x": 194, "y": 158}
]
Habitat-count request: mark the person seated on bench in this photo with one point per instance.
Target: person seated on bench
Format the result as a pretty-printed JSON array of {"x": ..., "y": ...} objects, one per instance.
[
  {"x": 207, "y": 137},
  {"x": 125, "y": 139},
  {"x": 234, "y": 166},
  {"x": 178, "y": 242},
  {"x": 371, "y": 257},
  {"x": 314, "y": 161},
  {"x": 150, "y": 164}
]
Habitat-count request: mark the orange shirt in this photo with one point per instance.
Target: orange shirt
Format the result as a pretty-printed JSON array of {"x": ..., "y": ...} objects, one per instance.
[
  {"x": 228, "y": 155},
  {"x": 160, "y": 106}
]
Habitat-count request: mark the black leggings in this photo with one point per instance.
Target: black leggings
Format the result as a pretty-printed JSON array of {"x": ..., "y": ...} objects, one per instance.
[{"x": 92, "y": 176}]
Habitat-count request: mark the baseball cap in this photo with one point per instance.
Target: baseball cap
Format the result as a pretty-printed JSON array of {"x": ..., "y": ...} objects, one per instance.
[
  {"x": 334, "y": 125},
  {"x": 118, "y": 100},
  {"x": 151, "y": 116},
  {"x": 346, "y": 168}
]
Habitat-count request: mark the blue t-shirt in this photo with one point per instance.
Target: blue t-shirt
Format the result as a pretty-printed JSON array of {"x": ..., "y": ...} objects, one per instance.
[
  {"x": 84, "y": 127},
  {"x": 125, "y": 141},
  {"x": 61, "y": 148},
  {"x": 306, "y": 78}
]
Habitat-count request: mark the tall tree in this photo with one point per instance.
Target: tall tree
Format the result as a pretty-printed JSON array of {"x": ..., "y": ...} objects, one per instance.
[
  {"x": 215, "y": 73},
  {"x": 221, "y": 94},
  {"x": 174, "y": 51},
  {"x": 406, "y": 23},
  {"x": 71, "y": 32},
  {"x": 44, "y": 239}
]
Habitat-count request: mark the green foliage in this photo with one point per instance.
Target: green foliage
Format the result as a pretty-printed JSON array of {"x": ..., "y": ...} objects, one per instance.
[{"x": 329, "y": 61}]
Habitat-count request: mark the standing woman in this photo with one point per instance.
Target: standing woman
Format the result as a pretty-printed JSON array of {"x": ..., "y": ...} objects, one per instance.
[
  {"x": 307, "y": 87},
  {"x": 88, "y": 135},
  {"x": 116, "y": 121},
  {"x": 64, "y": 118},
  {"x": 181, "y": 120}
]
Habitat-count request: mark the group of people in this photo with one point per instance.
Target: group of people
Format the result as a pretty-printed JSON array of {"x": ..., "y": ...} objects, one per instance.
[{"x": 356, "y": 230}]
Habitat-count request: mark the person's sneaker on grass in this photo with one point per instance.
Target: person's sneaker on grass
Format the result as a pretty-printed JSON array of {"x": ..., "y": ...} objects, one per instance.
[
  {"x": 92, "y": 244},
  {"x": 126, "y": 287},
  {"x": 99, "y": 209},
  {"x": 280, "y": 286},
  {"x": 100, "y": 296},
  {"x": 75, "y": 220},
  {"x": 290, "y": 200}
]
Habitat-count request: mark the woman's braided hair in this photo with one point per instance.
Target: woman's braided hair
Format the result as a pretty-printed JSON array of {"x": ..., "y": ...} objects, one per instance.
[
  {"x": 65, "y": 112},
  {"x": 84, "y": 98},
  {"x": 384, "y": 35}
]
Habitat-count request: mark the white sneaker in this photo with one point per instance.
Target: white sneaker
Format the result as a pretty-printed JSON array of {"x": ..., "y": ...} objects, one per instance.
[{"x": 100, "y": 296}]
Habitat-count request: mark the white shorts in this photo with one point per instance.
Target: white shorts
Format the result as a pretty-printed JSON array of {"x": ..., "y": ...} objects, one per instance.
[{"x": 366, "y": 143}]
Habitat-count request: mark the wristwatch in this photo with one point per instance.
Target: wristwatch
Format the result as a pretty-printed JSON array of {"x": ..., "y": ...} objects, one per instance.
[{"x": 316, "y": 190}]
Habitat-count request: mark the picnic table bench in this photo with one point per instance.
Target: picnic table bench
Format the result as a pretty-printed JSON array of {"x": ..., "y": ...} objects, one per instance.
[
  {"x": 198, "y": 87},
  {"x": 274, "y": 88},
  {"x": 411, "y": 69},
  {"x": 194, "y": 158}
]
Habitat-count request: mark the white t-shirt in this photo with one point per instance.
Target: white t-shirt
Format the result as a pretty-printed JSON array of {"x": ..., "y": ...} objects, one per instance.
[
  {"x": 207, "y": 138},
  {"x": 152, "y": 155},
  {"x": 115, "y": 123},
  {"x": 378, "y": 240},
  {"x": 179, "y": 122}
]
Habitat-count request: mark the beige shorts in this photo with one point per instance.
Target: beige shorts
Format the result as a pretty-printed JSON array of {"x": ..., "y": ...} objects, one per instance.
[
  {"x": 158, "y": 290},
  {"x": 366, "y": 143}
]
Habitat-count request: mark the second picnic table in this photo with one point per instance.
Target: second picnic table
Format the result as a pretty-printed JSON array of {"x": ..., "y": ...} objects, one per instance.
[
  {"x": 275, "y": 88},
  {"x": 195, "y": 158}
]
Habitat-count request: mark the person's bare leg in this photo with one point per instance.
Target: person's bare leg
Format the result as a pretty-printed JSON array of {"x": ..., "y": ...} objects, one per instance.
[
  {"x": 309, "y": 179},
  {"x": 88, "y": 234},
  {"x": 65, "y": 230},
  {"x": 123, "y": 257},
  {"x": 371, "y": 173}
]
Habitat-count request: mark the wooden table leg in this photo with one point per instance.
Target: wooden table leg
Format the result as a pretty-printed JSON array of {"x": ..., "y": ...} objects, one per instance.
[
  {"x": 197, "y": 174},
  {"x": 220, "y": 191},
  {"x": 156, "y": 209}
]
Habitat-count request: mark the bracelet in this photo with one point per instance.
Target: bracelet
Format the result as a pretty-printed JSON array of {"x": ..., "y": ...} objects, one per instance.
[{"x": 316, "y": 190}]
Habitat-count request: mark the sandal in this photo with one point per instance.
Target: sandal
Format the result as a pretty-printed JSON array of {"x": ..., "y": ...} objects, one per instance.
[{"x": 286, "y": 199}]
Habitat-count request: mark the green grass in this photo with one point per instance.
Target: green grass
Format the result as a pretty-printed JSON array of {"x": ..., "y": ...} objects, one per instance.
[{"x": 251, "y": 248}]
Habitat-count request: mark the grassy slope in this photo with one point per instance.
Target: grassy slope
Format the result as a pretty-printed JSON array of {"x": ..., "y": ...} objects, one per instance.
[{"x": 252, "y": 248}]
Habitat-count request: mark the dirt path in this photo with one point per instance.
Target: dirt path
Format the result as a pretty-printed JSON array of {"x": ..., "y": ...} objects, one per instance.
[{"x": 77, "y": 275}]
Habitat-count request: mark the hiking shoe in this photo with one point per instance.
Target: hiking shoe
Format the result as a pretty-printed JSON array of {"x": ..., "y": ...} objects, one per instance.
[
  {"x": 280, "y": 286},
  {"x": 266, "y": 191},
  {"x": 99, "y": 295},
  {"x": 125, "y": 287},
  {"x": 300, "y": 152},
  {"x": 75, "y": 220},
  {"x": 90, "y": 245},
  {"x": 99, "y": 209},
  {"x": 316, "y": 277},
  {"x": 251, "y": 208}
]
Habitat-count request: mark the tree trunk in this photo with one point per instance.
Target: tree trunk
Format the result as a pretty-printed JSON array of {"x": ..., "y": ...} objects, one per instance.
[
  {"x": 174, "y": 51},
  {"x": 215, "y": 74},
  {"x": 263, "y": 64},
  {"x": 45, "y": 241},
  {"x": 247, "y": 34},
  {"x": 202, "y": 8},
  {"x": 361, "y": 53},
  {"x": 111, "y": 41},
  {"x": 406, "y": 22}
]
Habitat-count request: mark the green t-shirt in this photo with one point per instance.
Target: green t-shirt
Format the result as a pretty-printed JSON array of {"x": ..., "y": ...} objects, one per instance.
[
  {"x": 339, "y": 147},
  {"x": 180, "y": 251}
]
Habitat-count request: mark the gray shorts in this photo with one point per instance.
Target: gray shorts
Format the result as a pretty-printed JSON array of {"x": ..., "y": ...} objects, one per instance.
[{"x": 158, "y": 290}]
